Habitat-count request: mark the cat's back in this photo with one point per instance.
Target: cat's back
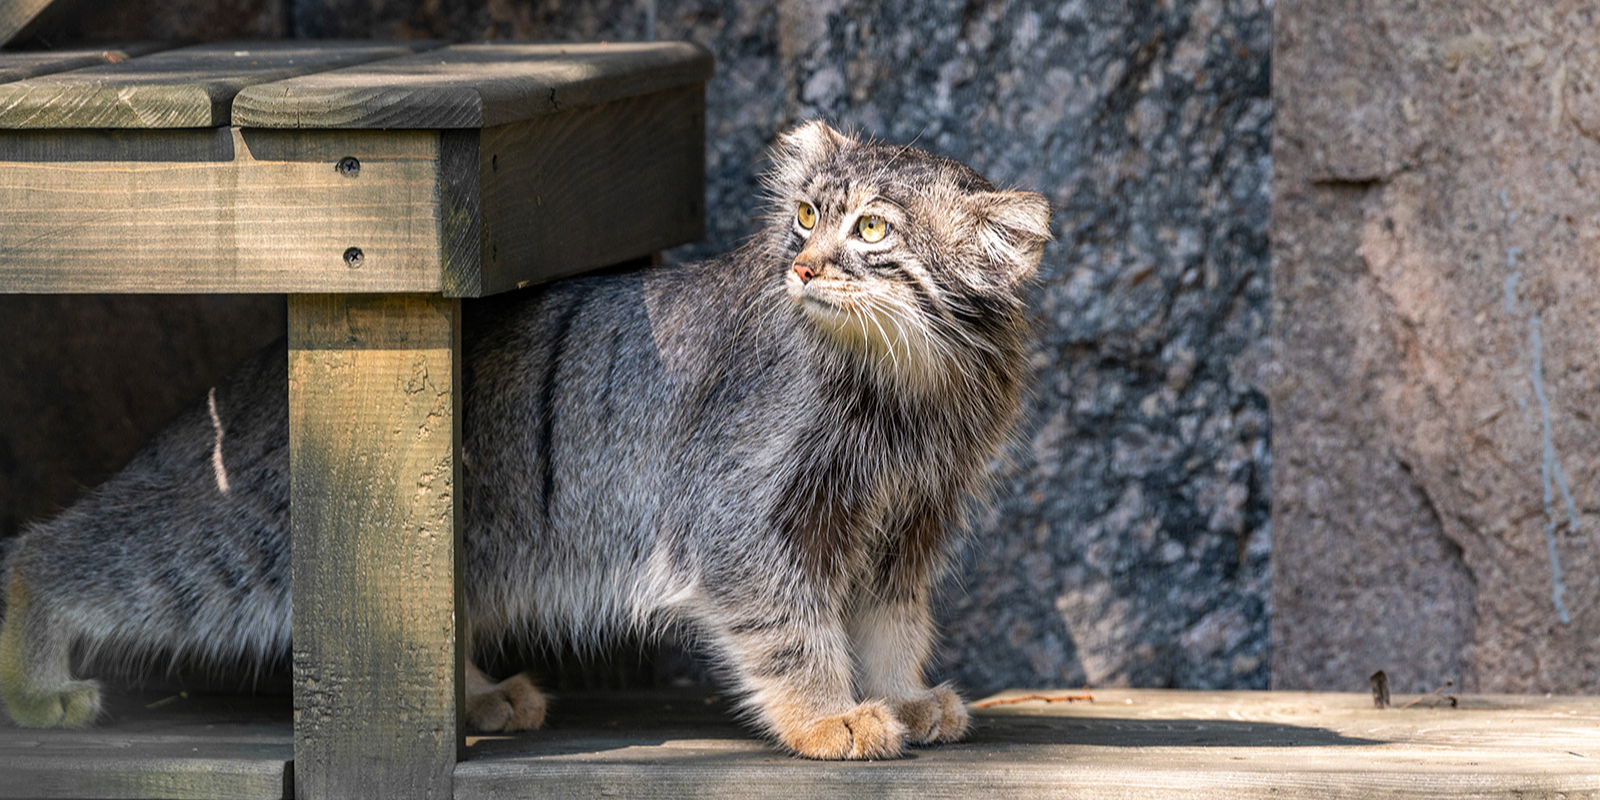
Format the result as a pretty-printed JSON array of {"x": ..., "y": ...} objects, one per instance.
[
  {"x": 604, "y": 413},
  {"x": 190, "y": 535},
  {"x": 614, "y": 371},
  {"x": 546, "y": 371}
]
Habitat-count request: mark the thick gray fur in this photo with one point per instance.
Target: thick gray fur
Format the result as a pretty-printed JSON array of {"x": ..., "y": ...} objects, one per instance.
[{"x": 772, "y": 455}]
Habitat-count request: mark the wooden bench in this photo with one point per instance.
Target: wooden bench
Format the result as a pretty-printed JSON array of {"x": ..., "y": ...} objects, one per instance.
[{"x": 375, "y": 184}]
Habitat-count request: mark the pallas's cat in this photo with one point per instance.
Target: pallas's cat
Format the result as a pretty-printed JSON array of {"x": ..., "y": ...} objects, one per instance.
[{"x": 771, "y": 449}]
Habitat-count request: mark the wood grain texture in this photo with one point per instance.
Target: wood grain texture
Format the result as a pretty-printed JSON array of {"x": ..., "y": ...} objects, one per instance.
[
  {"x": 374, "y": 438},
  {"x": 191, "y": 746},
  {"x": 592, "y": 186},
  {"x": 18, "y": 66},
  {"x": 191, "y": 87},
  {"x": 16, "y": 14},
  {"x": 460, "y": 213},
  {"x": 1128, "y": 743},
  {"x": 219, "y": 210},
  {"x": 473, "y": 86}
]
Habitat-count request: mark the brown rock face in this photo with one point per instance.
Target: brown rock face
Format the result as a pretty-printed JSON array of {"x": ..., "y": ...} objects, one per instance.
[{"x": 1436, "y": 307}]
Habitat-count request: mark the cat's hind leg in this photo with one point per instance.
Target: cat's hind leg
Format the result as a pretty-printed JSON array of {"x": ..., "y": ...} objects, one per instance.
[
  {"x": 36, "y": 682},
  {"x": 513, "y": 704}
]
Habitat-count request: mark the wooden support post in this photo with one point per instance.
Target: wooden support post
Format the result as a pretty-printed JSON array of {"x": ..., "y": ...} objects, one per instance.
[{"x": 374, "y": 438}]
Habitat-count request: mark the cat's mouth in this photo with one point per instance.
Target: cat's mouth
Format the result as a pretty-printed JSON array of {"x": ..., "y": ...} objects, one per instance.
[
  {"x": 812, "y": 301},
  {"x": 825, "y": 312},
  {"x": 810, "y": 298}
]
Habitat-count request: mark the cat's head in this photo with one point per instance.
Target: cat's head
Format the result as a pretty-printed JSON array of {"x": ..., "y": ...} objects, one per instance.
[{"x": 909, "y": 257}]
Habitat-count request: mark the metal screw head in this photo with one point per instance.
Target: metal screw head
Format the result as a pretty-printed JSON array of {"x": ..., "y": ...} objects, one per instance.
[
  {"x": 349, "y": 166},
  {"x": 353, "y": 258}
]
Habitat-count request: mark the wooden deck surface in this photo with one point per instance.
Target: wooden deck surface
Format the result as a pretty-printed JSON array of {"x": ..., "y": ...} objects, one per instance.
[
  {"x": 1127, "y": 743},
  {"x": 157, "y": 744}
]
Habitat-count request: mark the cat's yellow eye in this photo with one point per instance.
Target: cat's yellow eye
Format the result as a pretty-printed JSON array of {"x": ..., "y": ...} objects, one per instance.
[
  {"x": 872, "y": 228},
  {"x": 807, "y": 216}
]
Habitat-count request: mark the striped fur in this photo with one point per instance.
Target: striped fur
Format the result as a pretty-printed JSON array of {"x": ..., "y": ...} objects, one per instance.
[{"x": 772, "y": 462}]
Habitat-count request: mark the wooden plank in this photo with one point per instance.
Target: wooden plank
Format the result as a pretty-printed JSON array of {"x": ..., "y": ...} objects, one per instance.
[
  {"x": 157, "y": 745},
  {"x": 592, "y": 186},
  {"x": 374, "y": 439},
  {"x": 17, "y": 66},
  {"x": 191, "y": 87},
  {"x": 1128, "y": 743},
  {"x": 16, "y": 14},
  {"x": 460, "y": 213},
  {"x": 473, "y": 86},
  {"x": 218, "y": 210}
]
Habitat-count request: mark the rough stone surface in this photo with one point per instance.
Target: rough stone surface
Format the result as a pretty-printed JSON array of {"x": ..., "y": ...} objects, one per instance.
[
  {"x": 1435, "y": 307},
  {"x": 1129, "y": 540}
]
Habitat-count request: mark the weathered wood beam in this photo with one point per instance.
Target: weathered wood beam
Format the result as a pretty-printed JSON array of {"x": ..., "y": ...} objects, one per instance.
[
  {"x": 374, "y": 438},
  {"x": 463, "y": 212},
  {"x": 592, "y": 186},
  {"x": 219, "y": 210}
]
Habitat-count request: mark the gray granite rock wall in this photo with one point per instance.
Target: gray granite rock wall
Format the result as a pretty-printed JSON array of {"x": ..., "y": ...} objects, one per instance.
[{"x": 1129, "y": 540}]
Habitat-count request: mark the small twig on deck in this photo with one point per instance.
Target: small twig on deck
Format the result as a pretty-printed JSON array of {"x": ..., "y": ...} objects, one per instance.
[
  {"x": 165, "y": 700},
  {"x": 1048, "y": 698},
  {"x": 1447, "y": 684}
]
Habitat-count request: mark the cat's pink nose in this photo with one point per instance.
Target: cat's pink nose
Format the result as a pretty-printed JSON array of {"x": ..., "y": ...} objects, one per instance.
[{"x": 805, "y": 272}]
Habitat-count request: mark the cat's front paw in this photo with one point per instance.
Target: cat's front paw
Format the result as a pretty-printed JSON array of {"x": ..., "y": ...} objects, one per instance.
[
  {"x": 513, "y": 704},
  {"x": 869, "y": 730},
  {"x": 75, "y": 706},
  {"x": 938, "y": 715}
]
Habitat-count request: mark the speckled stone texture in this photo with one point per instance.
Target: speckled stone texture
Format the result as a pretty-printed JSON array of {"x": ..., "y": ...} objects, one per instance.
[
  {"x": 1436, "y": 317},
  {"x": 1129, "y": 540}
]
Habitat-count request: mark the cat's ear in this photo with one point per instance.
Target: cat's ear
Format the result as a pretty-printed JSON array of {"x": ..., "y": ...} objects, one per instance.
[
  {"x": 815, "y": 141},
  {"x": 800, "y": 151},
  {"x": 1012, "y": 229}
]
